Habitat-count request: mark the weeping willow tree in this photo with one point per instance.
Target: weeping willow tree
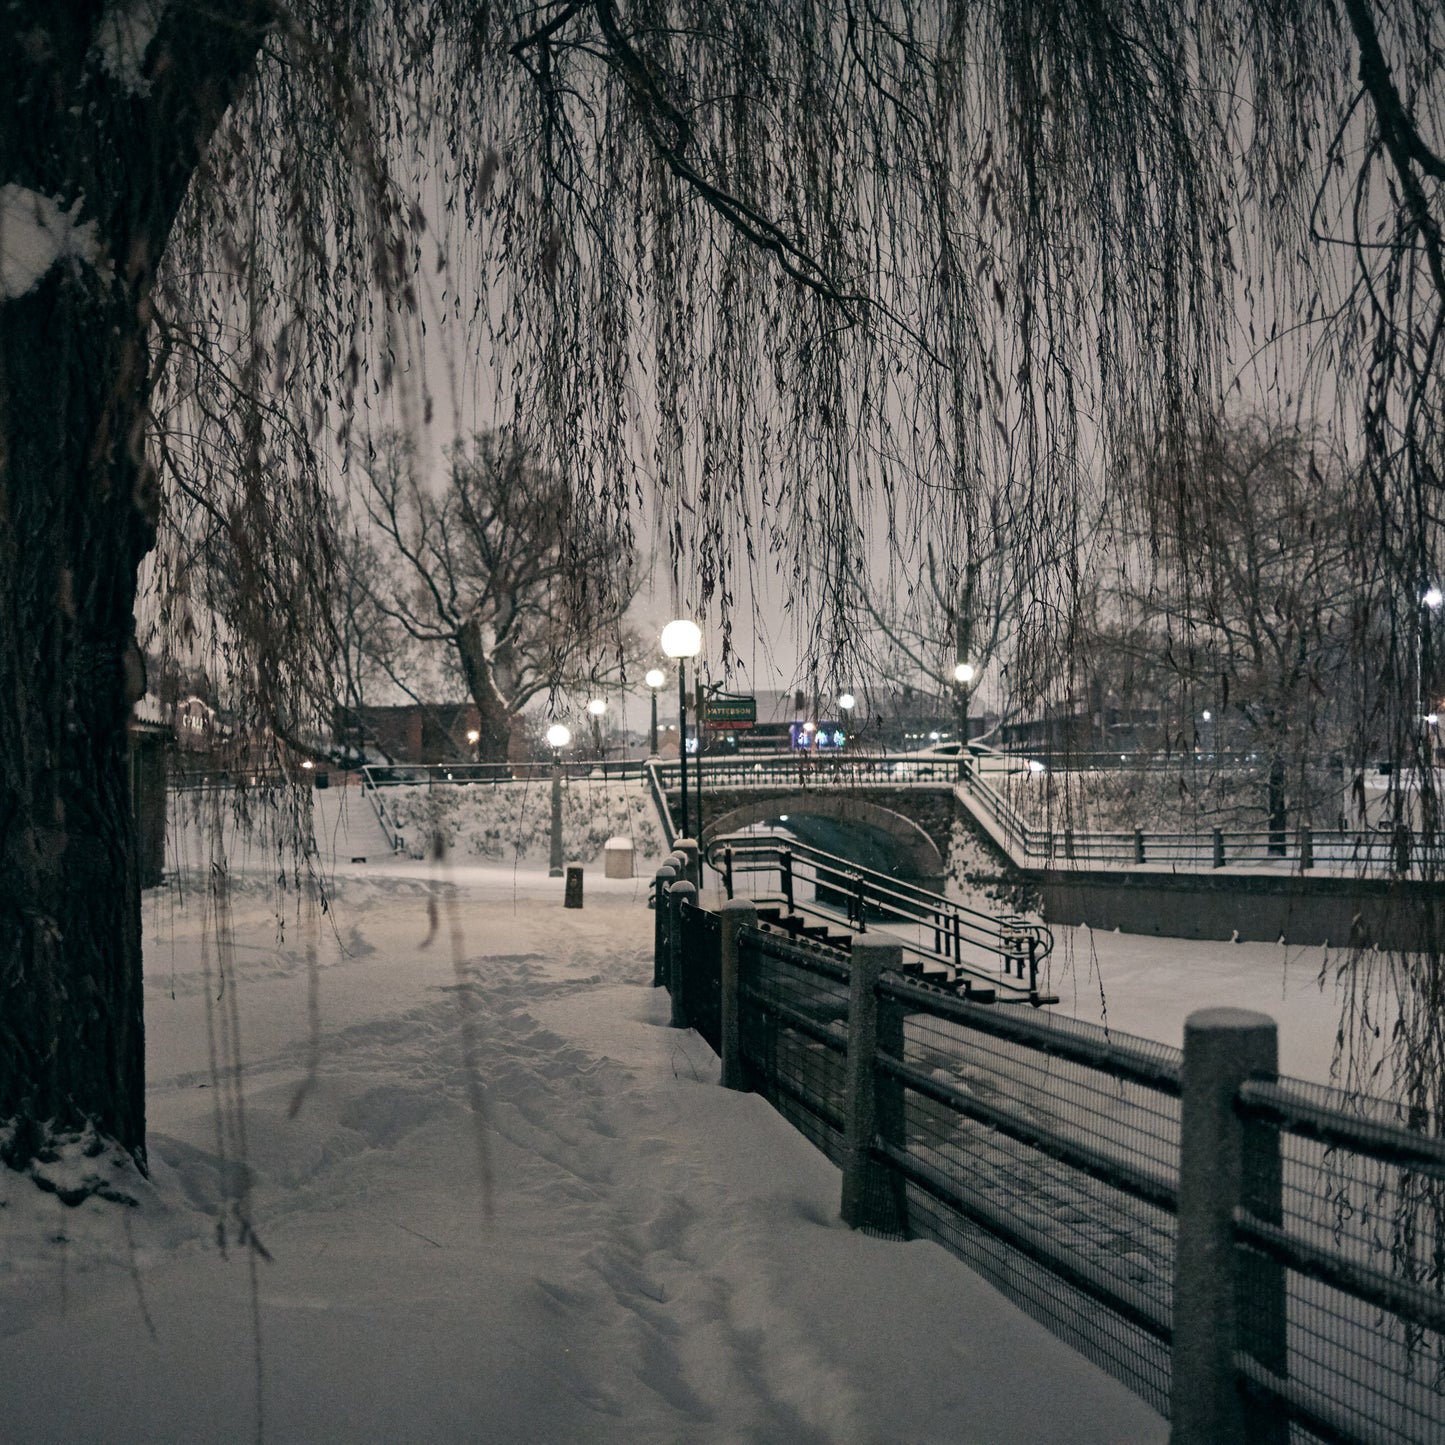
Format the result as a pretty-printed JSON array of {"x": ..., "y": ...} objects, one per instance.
[{"x": 793, "y": 278}]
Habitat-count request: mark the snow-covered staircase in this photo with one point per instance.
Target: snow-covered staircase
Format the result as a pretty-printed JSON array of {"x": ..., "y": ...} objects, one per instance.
[{"x": 347, "y": 830}]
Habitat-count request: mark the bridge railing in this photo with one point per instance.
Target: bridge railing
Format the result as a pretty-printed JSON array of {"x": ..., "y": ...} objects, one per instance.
[
  {"x": 1393, "y": 850},
  {"x": 392, "y": 775}
]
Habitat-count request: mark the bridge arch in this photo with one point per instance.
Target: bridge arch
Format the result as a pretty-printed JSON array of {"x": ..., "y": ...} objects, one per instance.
[{"x": 917, "y": 852}]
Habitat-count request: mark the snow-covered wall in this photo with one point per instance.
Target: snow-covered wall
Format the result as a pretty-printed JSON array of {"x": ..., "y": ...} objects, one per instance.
[{"x": 505, "y": 822}]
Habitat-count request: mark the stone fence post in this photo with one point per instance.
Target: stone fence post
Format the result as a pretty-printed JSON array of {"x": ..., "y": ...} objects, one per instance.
[
  {"x": 872, "y": 1195},
  {"x": 1224, "y": 1164},
  {"x": 665, "y": 877},
  {"x": 693, "y": 865},
  {"x": 737, "y": 914},
  {"x": 679, "y": 894}
]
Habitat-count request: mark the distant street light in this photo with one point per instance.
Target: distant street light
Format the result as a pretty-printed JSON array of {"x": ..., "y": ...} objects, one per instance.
[
  {"x": 558, "y": 737},
  {"x": 473, "y": 738},
  {"x": 847, "y": 702},
  {"x": 654, "y": 679},
  {"x": 595, "y": 708},
  {"x": 682, "y": 639},
  {"x": 963, "y": 674}
]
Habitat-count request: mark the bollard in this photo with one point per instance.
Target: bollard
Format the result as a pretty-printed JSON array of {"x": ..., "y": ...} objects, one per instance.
[
  {"x": 692, "y": 866},
  {"x": 737, "y": 914},
  {"x": 664, "y": 877},
  {"x": 870, "y": 1200},
  {"x": 572, "y": 897},
  {"x": 680, "y": 894},
  {"x": 1223, "y": 1164},
  {"x": 1401, "y": 847}
]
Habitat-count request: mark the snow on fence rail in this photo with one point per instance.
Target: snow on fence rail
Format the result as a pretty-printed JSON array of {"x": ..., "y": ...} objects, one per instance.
[{"x": 1259, "y": 1258}]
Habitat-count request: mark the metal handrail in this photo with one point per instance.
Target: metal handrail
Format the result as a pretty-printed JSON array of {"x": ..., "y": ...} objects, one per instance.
[
  {"x": 1001, "y": 952},
  {"x": 391, "y": 775}
]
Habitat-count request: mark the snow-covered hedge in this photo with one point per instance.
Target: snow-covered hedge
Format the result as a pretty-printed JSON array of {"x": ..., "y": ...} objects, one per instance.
[{"x": 510, "y": 821}]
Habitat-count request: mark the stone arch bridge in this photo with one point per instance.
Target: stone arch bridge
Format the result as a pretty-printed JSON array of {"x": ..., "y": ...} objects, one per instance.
[{"x": 903, "y": 831}]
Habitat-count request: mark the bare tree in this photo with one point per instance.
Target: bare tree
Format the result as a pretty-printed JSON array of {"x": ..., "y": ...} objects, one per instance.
[
  {"x": 1244, "y": 597},
  {"x": 798, "y": 271},
  {"x": 489, "y": 567}
]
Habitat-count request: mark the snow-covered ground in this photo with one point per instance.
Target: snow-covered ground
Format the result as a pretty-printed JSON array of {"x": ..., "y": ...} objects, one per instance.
[
  {"x": 500, "y": 1200},
  {"x": 661, "y": 1260}
]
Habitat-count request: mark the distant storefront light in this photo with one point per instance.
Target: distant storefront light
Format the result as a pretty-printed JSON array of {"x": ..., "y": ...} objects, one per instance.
[{"x": 816, "y": 737}]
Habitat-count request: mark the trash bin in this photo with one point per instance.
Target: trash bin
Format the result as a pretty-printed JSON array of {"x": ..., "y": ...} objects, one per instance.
[{"x": 617, "y": 858}]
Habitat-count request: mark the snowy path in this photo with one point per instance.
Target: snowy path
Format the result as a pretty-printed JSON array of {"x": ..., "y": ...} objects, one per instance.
[{"x": 663, "y": 1261}]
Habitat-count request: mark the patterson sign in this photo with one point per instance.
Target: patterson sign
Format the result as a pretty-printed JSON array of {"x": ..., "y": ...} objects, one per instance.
[{"x": 730, "y": 714}]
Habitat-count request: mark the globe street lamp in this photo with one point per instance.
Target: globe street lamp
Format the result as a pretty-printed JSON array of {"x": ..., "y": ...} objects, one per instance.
[
  {"x": 963, "y": 674},
  {"x": 1430, "y": 600},
  {"x": 558, "y": 737},
  {"x": 654, "y": 679},
  {"x": 682, "y": 639},
  {"x": 595, "y": 708},
  {"x": 847, "y": 702}
]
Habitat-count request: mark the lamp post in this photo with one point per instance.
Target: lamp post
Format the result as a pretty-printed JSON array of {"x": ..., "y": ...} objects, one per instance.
[
  {"x": 847, "y": 702},
  {"x": 558, "y": 737},
  {"x": 595, "y": 708},
  {"x": 963, "y": 674},
  {"x": 473, "y": 738},
  {"x": 1430, "y": 600},
  {"x": 682, "y": 639},
  {"x": 654, "y": 679}
]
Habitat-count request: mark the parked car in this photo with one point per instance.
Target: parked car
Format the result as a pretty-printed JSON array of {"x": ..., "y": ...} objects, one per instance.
[{"x": 933, "y": 763}]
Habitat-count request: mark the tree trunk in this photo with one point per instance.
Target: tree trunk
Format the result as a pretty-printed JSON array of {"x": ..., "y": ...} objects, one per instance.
[
  {"x": 1278, "y": 810},
  {"x": 71, "y": 538},
  {"x": 77, "y": 514},
  {"x": 494, "y": 716}
]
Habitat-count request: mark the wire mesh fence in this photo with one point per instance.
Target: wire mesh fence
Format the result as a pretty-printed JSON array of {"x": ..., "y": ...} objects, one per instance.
[
  {"x": 1034, "y": 1156},
  {"x": 793, "y": 1033},
  {"x": 1344, "y": 1277},
  {"x": 1046, "y": 1154}
]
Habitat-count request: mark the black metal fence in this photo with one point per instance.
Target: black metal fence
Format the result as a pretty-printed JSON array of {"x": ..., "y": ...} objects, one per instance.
[{"x": 1079, "y": 1170}]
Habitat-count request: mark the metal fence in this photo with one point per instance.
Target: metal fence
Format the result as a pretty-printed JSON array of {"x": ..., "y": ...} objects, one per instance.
[
  {"x": 1181, "y": 1218},
  {"x": 440, "y": 775}
]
